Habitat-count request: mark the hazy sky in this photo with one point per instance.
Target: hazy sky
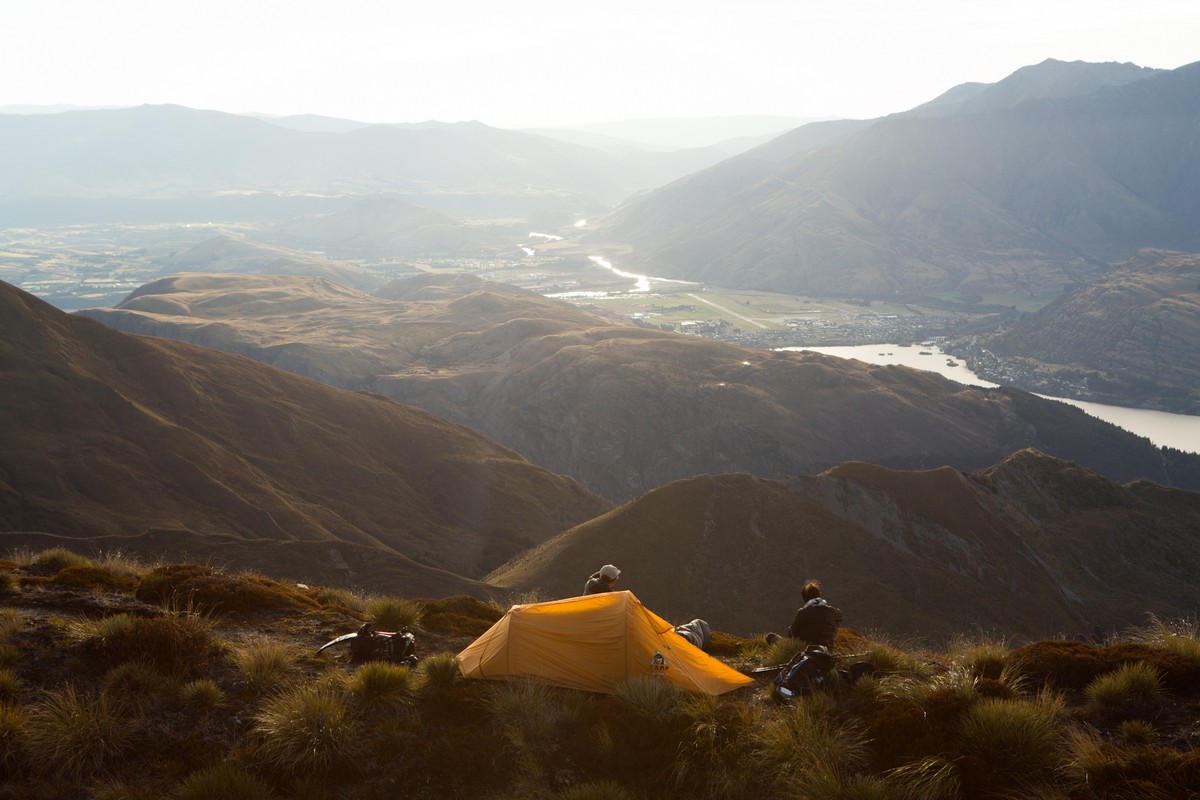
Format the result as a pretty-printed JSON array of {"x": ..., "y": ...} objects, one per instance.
[{"x": 540, "y": 62}]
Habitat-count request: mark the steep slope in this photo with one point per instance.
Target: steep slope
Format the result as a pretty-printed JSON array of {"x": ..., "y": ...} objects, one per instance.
[
  {"x": 1032, "y": 546},
  {"x": 624, "y": 409},
  {"x": 173, "y": 446},
  {"x": 1133, "y": 335},
  {"x": 1020, "y": 200}
]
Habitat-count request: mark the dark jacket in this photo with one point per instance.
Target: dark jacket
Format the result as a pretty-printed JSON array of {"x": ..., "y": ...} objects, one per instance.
[
  {"x": 816, "y": 622},
  {"x": 596, "y": 585}
]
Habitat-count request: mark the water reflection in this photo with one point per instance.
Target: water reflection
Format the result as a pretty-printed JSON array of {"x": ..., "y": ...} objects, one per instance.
[{"x": 1181, "y": 431}]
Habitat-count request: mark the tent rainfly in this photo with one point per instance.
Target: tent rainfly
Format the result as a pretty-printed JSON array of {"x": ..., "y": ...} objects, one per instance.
[{"x": 593, "y": 643}]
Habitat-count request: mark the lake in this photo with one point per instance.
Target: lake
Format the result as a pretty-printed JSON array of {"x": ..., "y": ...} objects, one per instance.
[{"x": 1181, "y": 431}]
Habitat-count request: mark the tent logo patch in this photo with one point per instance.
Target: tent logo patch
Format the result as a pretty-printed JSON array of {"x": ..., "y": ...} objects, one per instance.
[{"x": 659, "y": 662}]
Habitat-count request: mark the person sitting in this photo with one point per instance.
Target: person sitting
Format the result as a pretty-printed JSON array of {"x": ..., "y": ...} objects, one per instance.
[
  {"x": 816, "y": 622},
  {"x": 602, "y": 580}
]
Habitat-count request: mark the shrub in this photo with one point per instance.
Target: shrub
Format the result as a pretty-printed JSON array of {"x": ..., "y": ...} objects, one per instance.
[
  {"x": 221, "y": 782},
  {"x": 308, "y": 729},
  {"x": 383, "y": 683},
  {"x": 96, "y": 577},
  {"x": 11, "y": 686},
  {"x": 393, "y": 613},
  {"x": 52, "y": 561},
  {"x": 201, "y": 695},
  {"x": 205, "y": 590},
  {"x": 72, "y": 737},
  {"x": 1131, "y": 687},
  {"x": 460, "y": 615},
  {"x": 265, "y": 666},
  {"x": 180, "y": 646},
  {"x": 9, "y": 583},
  {"x": 652, "y": 697}
]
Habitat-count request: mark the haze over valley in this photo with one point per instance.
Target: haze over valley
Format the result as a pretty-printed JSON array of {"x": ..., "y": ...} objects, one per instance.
[{"x": 464, "y": 359}]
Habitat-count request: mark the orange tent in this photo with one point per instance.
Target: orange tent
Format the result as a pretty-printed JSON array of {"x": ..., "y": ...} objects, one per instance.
[{"x": 593, "y": 643}]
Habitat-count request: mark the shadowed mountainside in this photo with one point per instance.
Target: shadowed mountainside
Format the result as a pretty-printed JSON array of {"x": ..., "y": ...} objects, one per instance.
[
  {"x": 170, "y": 447},
  {"x": 1133, "y": 335},
  {"x": 624, "y": 409},
  {"x": 1033, "y": 546},
  {"x": 1018, "y": 200}
]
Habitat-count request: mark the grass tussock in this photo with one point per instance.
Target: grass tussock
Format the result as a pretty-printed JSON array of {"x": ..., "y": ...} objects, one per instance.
[
  {"x": 333, "y": 597},
  {"x": 394, "y": 613},
  {"x": 183, "y": 646},
  {"x": 265, "y": 666},
  {"x": 71, "y": 736},
  {"x": 1130, "y": 688},
  {"x": 381, "y": 684},
  {"x": 201, "y": 695},
  {"x": 121, "y": 706},
  {"x": 1180, "y": 636},
  {"x": 221, "y": 782},
  {"x": 655, "y": 698},
  {"x": 439, "y": 674},
  {"x": 11, "y": 686},
  {"x": 51, "y": 562},
  {"x": 1014, "y": 738},
  {"x": 309, "y": 730}
]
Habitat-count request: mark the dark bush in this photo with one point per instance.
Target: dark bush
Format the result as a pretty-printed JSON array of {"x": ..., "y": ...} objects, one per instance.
[
  {"x": 205, "y": 590},
  {"x": 1072, "y": 665},
  {"x": 92, "y": 576},
  {"x": 175, "y": 645}
]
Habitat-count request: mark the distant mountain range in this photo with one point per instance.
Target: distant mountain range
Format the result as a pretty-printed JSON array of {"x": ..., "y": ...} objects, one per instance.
[
  {"x": 169, "y": 163},
  {"x": 154, "y": 446},
  {"x": 1030, "y": 547},
  {"x": 1131, "y": 336},
  {"x": 1016, "y": 189},
  {"x": 623, "y": 409}
]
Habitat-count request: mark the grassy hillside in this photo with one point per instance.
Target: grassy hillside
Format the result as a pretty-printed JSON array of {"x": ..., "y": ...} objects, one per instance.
[
  {"x": 186, "y": 449},
  {"x": 623, "y": 409},
  {"x": 120, "y": 679}
]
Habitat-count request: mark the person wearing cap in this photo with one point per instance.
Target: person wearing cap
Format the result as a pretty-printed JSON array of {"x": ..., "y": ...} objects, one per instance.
[{"x": 602, "y": 580}]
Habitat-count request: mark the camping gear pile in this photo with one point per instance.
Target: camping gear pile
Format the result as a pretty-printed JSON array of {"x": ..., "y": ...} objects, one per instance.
[
  {"x": 368, "y": 644},
  {"x": 812, "y": 669}
]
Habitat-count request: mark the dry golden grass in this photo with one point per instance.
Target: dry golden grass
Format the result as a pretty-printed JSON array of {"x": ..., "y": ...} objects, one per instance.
[{"x": 76, "y": 723}]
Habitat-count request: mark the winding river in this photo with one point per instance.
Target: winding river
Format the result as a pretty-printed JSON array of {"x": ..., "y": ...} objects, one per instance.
[{"x": 1181, "y": 431}]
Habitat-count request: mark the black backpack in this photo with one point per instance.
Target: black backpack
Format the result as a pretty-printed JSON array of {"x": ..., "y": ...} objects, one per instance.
[
  {"x": 372, "y": 645},
  {"x": 809, "y": 670}
]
